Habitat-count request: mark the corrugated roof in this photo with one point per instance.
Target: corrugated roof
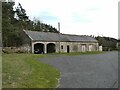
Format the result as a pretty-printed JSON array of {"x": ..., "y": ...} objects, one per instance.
[{"x": 48, "y": 36}]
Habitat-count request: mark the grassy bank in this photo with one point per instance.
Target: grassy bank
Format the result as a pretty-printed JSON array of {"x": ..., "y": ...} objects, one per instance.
[
  {"x": 0, "y": 71},
  {"x": 23, "y": 71}
]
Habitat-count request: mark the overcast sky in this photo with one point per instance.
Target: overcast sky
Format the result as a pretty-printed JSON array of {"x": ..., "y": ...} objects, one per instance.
[{"x": 81, "y": 17}]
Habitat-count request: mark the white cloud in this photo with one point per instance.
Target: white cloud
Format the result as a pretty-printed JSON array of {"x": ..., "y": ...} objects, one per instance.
[{"x": 77, "y": 16}]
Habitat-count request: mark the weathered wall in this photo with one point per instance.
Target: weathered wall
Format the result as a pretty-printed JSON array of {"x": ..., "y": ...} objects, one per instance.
[
  {"x": 100, "y": 48},
  {"x": 26, "y": 42},
  {"x": 77, "y": 46},
  {"x": 73, "y": 46},
  {"x": 21, "y": 49}
]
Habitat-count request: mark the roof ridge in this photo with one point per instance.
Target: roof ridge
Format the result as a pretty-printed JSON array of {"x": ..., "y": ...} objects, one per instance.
[
  {"x": 54, "y": 36},
  {"x": 58, "y": 33},
  {"x": 75, "y": 35},
  {"x": 38, "y": 31}
]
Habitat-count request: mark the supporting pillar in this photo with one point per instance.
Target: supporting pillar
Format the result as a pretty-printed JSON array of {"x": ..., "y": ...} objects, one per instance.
[
  {"x": 45, "y": 48},
  {"x": 97, "y": 47},
  {"x": 32, "y": 48},
  {"x": 87, "y": 47}
]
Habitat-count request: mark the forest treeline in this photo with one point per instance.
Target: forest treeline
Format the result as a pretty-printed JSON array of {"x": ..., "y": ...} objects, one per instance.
[
  {"x": 15, "y": 19},
  {"x": 107, "y": 43}
]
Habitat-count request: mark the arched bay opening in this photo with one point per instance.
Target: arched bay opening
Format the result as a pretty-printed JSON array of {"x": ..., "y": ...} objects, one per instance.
[
  {"x": 38, "y": 48},
  {"x": 51, "y": 48}
]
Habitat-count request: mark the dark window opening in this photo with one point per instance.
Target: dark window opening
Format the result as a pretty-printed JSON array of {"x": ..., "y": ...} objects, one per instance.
[{"x": 62, "y": 47}]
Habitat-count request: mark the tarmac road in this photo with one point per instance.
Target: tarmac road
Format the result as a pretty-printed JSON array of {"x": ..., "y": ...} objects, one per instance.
[{"x": 86, "y": 71}]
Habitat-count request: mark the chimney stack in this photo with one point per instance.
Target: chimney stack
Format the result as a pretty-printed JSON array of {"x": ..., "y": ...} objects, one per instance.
[{"x": 59, "y": 27}]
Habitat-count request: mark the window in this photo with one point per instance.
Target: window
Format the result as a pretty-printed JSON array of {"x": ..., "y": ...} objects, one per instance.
[{"x": 62, "y": 47}]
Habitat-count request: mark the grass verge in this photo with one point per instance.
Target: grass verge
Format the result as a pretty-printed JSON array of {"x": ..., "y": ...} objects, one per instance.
[
  {"x": 23, "y": 71},
  {"x": 0, "y": 70}
]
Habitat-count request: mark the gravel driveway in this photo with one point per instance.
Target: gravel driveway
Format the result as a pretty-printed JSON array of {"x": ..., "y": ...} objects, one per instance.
[{"x": 86, "y": 71}]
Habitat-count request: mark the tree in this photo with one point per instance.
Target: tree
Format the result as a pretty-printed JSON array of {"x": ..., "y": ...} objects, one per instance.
[
  {"x": 37, "y": 25},
  {"x": 7, "y": 21},
  {"x": 22, "y": 17},
  {"x": 107, "y": 43},
  {"x": 10, "y": 25},
  {"x": 14, "y": 21}
]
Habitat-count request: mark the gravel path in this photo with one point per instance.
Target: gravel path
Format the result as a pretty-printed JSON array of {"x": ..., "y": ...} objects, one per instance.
[{"x": 86, "y": 71}]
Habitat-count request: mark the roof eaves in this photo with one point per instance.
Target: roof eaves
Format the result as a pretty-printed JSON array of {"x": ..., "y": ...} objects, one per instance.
[{"x": 28, "y": 35}]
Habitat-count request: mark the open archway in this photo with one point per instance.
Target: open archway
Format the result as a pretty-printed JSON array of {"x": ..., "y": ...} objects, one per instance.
[
  {"x": 38, "y": 48},
  {"x": 50, "y": 48}
]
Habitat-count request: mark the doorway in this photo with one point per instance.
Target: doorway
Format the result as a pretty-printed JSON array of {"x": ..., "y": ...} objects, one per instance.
[{"x": 68, "y": 49}]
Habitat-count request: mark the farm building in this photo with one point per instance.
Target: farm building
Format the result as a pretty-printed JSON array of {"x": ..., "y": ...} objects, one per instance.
[{"x": 47, "y": 42}]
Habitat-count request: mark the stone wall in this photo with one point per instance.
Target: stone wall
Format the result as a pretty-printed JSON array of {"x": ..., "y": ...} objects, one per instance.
[
  {"x": 21, "y": 49},
  {"x": 62, "y": 47},
  {"x": 100, "y": 48},
  {"x": 26, "y": 40},
  {"x": 73, "y": 46},
  {"x": 0, "y": 50},
  {"x": 77, "y": 46}
]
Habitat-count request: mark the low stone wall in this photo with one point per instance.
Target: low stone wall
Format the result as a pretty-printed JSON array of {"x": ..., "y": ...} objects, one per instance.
[
  {"x": 22, "y": 49},
  {"x": 0, "y": 50}
]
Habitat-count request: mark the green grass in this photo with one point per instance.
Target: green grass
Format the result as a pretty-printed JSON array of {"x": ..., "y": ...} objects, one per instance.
[
  {"x": 0, "y": 71},
  {"x": 23, "y": 71}
]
